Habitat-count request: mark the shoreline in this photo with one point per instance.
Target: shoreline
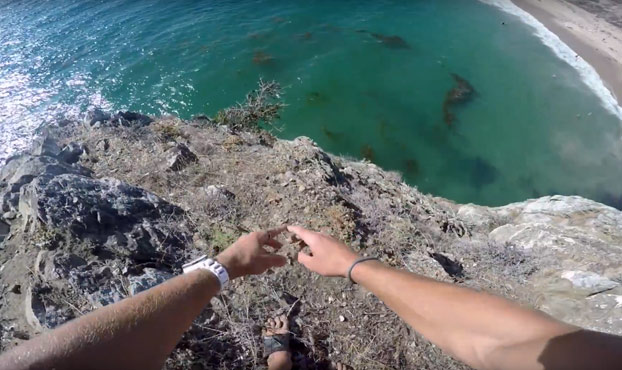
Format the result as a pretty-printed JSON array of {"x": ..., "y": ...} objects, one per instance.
[{"x": 595, "y": 40}]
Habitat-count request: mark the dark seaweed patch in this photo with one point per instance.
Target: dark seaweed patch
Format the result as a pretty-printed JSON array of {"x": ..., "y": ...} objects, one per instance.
[
  {"x": 412, "y": 167},
  {"x": 262, "y": 58},
  {"x": 392, "y": 42},
  {"x": 331, "y": 134},
  {"x": 481, "y": 173},
  {"x": 461, "y": 93},
  {"x": 367, "y": 152}
]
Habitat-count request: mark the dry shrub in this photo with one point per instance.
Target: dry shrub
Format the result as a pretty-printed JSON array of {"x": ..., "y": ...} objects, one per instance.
[
  {"x": 261, "y": 106},
  {"x": 168, "y": 132}
]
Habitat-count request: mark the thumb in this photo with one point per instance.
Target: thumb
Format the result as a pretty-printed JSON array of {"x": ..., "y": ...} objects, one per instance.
[
  {"x": 275, "y": 260},
  {"x": 305, "y": 259}
]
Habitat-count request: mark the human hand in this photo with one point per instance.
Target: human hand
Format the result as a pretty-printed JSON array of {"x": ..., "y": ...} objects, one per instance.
[
  {"x": 329, "y": 256},
  {"x": 247, "y": 255}
]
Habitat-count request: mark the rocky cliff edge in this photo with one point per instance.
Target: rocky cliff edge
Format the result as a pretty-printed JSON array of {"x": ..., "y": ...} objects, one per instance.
[{"x": 102, "y": 209}]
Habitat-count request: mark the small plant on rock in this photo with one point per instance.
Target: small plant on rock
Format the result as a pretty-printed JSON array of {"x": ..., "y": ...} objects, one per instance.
[
  {"x": 262, "y": 106},
  {"x": 168, "y": 132}
]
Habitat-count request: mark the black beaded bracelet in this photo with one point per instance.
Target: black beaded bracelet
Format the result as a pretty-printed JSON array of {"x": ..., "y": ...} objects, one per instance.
[{"x": 362, "y": 259}]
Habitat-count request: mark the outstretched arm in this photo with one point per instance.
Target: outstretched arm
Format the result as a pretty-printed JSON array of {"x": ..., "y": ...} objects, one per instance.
[
  {"x": 141, "y": 331},
  {"x": 480, "y": 329}
]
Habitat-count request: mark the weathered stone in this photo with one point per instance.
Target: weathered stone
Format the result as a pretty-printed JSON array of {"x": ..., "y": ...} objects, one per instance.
[
  {"x": 216, "y": 193},
  {"x": 105, "y": 296},
  {"x": 98, "y": 118},
  {"x": 45, "y": 145},
  {"x": 133, "y": 118},
  {"x": 71, "y": 153},
  {"x": 102, "y": 145},
  {"x": 150, "y": 278},
  {"x": 98, "y": 115},
  {"x": 33, "y": 307},
  {"x": 119, "y": 218},
  {"x": 65, "y": 122},
  {"x": 578, "y": 244},
  {"x": 101, "y": 286},
  {"x": 11, "y": 215},
  {"x": 590, "y": 282},
  {"x": 42, "y": 310},
  {"x": 179, "y": 156},
  {"x": 95, "y": 282},
  {"x": 23, "y": 169},
  {"x": 4, "y": 230},
  {"x": 53, "y": 266}
]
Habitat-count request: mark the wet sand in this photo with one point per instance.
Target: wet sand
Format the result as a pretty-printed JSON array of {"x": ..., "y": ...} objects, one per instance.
[{"x": 594, "y": 39}]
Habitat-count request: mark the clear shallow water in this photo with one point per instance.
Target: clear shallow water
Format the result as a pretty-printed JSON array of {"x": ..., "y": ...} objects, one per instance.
[{"x": 532, "y": 128}]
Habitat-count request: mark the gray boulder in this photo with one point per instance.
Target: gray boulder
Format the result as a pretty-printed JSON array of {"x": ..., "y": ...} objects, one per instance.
[
  {"x": 45, "y": 145},
  {"x": 99, "y": 282},
  {"x": 118, "y": 218},
  {"x": 44, "y": 309},
  {"x": 179, "y": 156},
  {"x": 98, "y": 117},
  {"x": 90, "y": 234},
  {"x": 52, "y": 266},
  {"x": 131, "y": 118},
  {"x": 578, "y": 244},
  {"x": 148, "y": 279},
  {"x": 23, "y": 169},
  {"x": 71, "y": 153}
]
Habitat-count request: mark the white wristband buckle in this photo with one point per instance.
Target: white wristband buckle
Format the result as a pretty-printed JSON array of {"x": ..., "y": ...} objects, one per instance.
[{"x": 210, "y": 265}]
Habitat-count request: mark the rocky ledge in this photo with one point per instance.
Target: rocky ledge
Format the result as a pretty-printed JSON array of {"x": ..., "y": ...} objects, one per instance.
[{"x": 102, "y": 209}]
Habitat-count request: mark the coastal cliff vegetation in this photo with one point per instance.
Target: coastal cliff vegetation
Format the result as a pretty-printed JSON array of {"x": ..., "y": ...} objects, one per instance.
[{"x": 103, "y": 208}]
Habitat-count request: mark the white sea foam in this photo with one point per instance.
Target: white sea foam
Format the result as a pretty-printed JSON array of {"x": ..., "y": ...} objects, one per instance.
[
  {"x": 586, "y": 71},
  {"x": 24, "y": 107}
]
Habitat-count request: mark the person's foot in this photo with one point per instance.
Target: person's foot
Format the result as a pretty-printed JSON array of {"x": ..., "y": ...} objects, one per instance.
[
  {"x": 276, "y": 343},
  {"x": 340, "y": 366}
]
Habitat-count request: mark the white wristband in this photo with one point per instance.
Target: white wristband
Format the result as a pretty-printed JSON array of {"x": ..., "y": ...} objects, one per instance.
[{"x": 210, "y": 265}]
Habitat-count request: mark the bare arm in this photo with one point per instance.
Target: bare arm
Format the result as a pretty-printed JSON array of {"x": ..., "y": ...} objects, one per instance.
[
  {"x": 482, "y": 330},
  {"x": 141, "y": 331}
]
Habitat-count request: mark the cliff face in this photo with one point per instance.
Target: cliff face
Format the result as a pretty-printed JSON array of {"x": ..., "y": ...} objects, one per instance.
[{"x": 99, "y": 211}]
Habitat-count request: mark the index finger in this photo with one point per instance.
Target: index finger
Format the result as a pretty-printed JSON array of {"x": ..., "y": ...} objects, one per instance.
[
  {"x": 302, "y": 233},
  {"x": 265, "y": 236}
]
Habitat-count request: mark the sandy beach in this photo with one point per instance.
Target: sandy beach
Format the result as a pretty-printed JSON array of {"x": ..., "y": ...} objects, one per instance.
[{"x": 583, "y": 27}]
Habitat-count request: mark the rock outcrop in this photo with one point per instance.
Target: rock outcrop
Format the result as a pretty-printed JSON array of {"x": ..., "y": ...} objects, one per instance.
[
  {"x": 179, "y": 156},
  {"x": 578, "y": 243},
  {"x": 100, "y": 118},
  {"x": 86, "y": 234},
  {"x": 91, "y": 217}
]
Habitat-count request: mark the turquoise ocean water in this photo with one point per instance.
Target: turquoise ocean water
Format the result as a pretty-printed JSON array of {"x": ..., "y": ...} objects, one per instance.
[{"x": 362, "y": 78}]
